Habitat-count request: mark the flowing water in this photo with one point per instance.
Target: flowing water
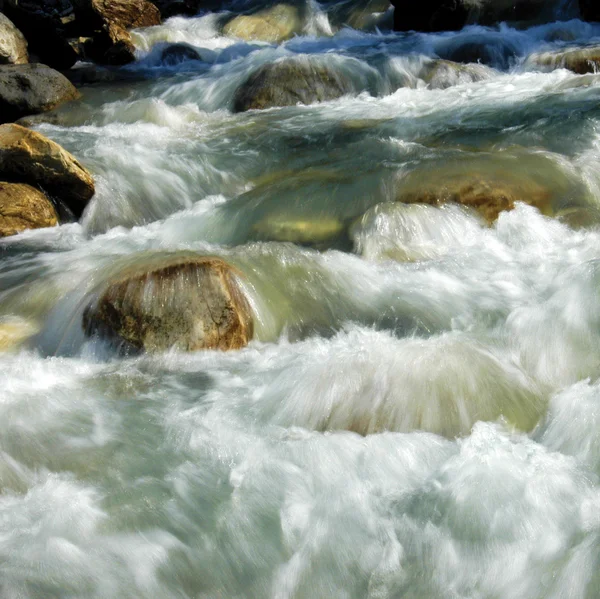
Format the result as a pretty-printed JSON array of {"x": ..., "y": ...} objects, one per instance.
[{"x": 418, "y": 415}]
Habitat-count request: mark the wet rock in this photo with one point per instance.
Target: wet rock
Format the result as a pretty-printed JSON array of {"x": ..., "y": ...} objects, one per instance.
[
  {"x": 274, "y": 24},
  {"x": 441, "y": 74},
  {"x": 30, "y": 89},
  {"x": 590, "y": 10},
  {"x": 290, "y": 82},
  {"x": 23, "y": 207},
  {"x": 174, "y": 54},
  {"x": 111, "y": 46},
  {"x": 13, "y": 46},
  {"x": 187, "y": 303},
  {"x": 494, "y": 51},
  {"x": 361, "y": 15},
  {"x": 303, "y": 231},
  {"x": 429, "y": 15},
  {"x": 28, "y": 157},
  {"x": 578, "y": 60},
  {"x": 14, "y": 332}
]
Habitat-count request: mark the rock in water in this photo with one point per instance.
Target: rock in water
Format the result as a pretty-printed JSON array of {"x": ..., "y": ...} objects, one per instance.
[
  {"x": 186, "y": 303},
  {"x": 28, "y": 157},
  {"x": 441, "y": 74},
  {"x": 578, "y": 60},
  {"x": 123, "y": 13},
  {"x": 13, "y": 47},
  {"x": 290, "y": 82},
  {"x": 27, "y": 89},
  {"x": 13, "y": 332},
  {"x": 24, "y": 207},
  {"x": 275, "y": 24},
  {"x": 175, "y": 54}
]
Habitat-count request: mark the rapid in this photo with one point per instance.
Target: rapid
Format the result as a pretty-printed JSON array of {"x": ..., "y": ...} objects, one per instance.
[{"x": 418, "y": 413}]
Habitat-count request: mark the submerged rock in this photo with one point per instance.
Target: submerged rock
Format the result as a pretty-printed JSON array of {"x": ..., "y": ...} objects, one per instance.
[
  {"x": 13, "y": 46},
  {"x": 23, "y": 207},
  {"x": 27, "y": 89},
  {"x": 578, "y": 60},
  {"x": 441, "y": 74},
  {"x": 14, "y": 332},
  {"x": 184, "y": 303},
  {"x": 303, "y": 231},
  {"x": 275, "y": 24},
  {"x": 29, "y": 157},
  {"x": 289, "y": 82},
  {"x": 174, "y": 54}
]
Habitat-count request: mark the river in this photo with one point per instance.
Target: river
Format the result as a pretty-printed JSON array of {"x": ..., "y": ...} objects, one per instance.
[{"x": 418, "y": 415}]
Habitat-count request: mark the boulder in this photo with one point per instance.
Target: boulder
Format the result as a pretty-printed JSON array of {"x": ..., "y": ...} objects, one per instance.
[
  {"x": 578, "y": 60},
  {"x": 27, "y": 89},
  {"x": 186, "y": 303},
  {"x": 429, "y": 15},
  {"x": 289, "y": 82},
  {"x": 28, "y": 157},
  {"x": 24, "y": 207},
  {"x": 364, "y": 15},
  {"x": 175, "y": 54},
  {"x": 590, "y": 10},
  {"x": 441, "y": 74},
  {"x": 127, "y": 14},
  {"x": 112, "y": 45},
  {"x": 275, "y": 24},
  {"x": 314, "y": 231},
  {"x": 13, "y": 46}
]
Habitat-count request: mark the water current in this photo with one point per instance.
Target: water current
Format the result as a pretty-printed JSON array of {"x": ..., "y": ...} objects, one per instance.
[{"x": 418, "y": 414}]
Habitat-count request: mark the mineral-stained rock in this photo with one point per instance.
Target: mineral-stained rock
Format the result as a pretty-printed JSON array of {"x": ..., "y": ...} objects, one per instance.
[
  {"x": 27, "y": 89},
  {"x": 29, "y": 157},
  {"x": 187, "y": 303},
  {"x": 290, "y": 82},
  {"x": 24, "y": 207},
  {"x": 13, "y": 46},
  {"x": 274, "y": 24}
]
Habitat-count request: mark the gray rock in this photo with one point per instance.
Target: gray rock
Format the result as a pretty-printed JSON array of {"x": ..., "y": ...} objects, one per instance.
[{"x": 30, "y": 89}]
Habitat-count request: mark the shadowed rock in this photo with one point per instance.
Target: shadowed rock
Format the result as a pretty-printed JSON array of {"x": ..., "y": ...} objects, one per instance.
[
  {"x": 175, "y": 54},
  {"x": 13, "y": 46},
  {"x": 24, "y": 207},
  {"x": 28, "y": 89},
  {"x": 28, "y": 157},
  {"x": 290, "y": 82},
  {"x": 183, "y": 303}
]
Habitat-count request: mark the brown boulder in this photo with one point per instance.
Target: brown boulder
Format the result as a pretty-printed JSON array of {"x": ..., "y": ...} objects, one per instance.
[
  {"x": 127, "y": 14},
  {"x": 189, "y": 303},
  {"x": 27, "y": 89},
  {"x": 578, "y": 60},
  {"x": 24, "y": 207},
  {"x": 28, "y": 157},
  {"x": 13, "y": 46}
]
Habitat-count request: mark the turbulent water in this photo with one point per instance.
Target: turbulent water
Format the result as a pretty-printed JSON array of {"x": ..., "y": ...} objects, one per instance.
[{"x": 418, "y": 415}]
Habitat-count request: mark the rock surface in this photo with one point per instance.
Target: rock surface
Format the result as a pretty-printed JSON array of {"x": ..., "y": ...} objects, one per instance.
[
  {"x": 174, "y": 54},
  {"x": 13, "y": 332},
  {"x": 13, "y": 46},
  {"x": 441, "y": 74},
  {"x": 578, "y": 60},
  {"x": 184, "y": 303},
  {"x": 28, "y": 89},
  {"x": 24, "y": 207},
  {"x": 28, "y": 157},
  {"x": 126, "y": 14},
  {"x": 290, "y": 82},
  {"x": 275, "y": 24}
]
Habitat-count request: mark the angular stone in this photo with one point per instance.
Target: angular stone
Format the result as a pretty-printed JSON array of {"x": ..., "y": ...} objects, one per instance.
[
  {"x": 13, "y": 46},
  {"x": 29, "y": 157},
  {"x": 28, "y": 89},
  {"x": 23, "y": 207},
  {"x": 187, "y": 303}
]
